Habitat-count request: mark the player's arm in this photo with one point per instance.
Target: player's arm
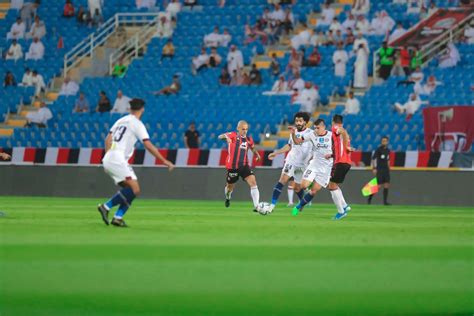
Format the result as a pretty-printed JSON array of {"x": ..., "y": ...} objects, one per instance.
[
  {"x": 296, "y": 140},
  {"x": 154, "y": 151},
  {"x": 108, "y": 142},
  {"x": 282, "y": 150},
  {"x": 225, "y": 136},
  {"x": 345, "y": 137},
  {"x": 256, "y": 153}
]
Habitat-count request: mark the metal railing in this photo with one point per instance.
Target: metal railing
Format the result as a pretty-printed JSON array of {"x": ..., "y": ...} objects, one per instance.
[
  {"x": 439, "y": 44},
  {"x": 88, "y": 45},
  {"x": 436, "y": 47},
  {"x": 131, "y": 48}
]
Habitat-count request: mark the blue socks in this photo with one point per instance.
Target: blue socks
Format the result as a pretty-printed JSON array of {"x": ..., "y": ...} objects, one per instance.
[
  {"x": 306, "y": 199},
  {"x": 276, "y": 192},
  {"x": 123, "y": 197},
  {"x": 300, "y": 194}
]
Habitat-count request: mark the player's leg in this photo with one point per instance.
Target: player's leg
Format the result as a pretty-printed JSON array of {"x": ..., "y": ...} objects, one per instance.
[
  {"x": 119, "y": 171},
  {"x": 284, "y": 177},
  {"x": 338, "y": 175},
  {"x": 131, "y": 189},
  {"x": 254, "y": 193},
  {"x": 298, "y": 178},
  {"x": 231, "y": 178},
  {"x": 247, "y": 174},
  {"x": 308, "y": 178},
  {"x": 291, "y": 192},
  {"x": 308, "y": 197}
]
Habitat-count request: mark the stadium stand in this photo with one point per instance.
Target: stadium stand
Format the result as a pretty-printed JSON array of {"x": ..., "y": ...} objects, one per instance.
[{"x": 216, "y": 108}]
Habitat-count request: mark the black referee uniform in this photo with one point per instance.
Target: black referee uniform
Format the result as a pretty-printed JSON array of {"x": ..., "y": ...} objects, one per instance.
[{"x": 381, "y": 157}]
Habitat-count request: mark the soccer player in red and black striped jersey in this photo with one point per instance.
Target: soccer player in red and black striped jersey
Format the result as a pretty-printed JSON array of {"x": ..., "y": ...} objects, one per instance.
[
  {"x": 342, "y": 165},
  {"x": 237, "y": 163}
]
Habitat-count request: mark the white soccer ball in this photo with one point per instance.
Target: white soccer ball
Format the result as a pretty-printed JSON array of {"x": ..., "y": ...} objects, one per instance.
[{"x": 264, "y": 208}]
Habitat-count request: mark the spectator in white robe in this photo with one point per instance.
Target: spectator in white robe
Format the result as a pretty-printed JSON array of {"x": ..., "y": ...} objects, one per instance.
[
  {"x": 361, "y": 64},
  {"x": 235, "y": 59},
  {"x": 297, "y": 83},
  {"x": 450, "y": 58},
  {"x": 213, "y": 39},
  {"x": 17, "y": 30},
  {"x": 352, "y": 105},
  {"x": 200, "y": 61},
  {"x": 40, "y": 117},
  {"x": 26, "y": 81},
  {"x": 278, "y": 15},
  {"x": 427, "y": 88},
  {"x": 38, "y": 29},
  {"x": 69, "y": 87},
  {"x": 411, "y": 106},
  {"x": 15, "y": 51},
  {"x": 397, "y": 33},
  {"x": 327, "y": 15},
  {"x": 302, "y": 38},
  {"x": 173, "y": 8},
  {"x": 16, "y": 4},
  {"x": 362, "y": 25},
  {"x": 226, "y": 38},
  {"x": 121, "y": 104},
  {"x": 360, "y": 39},
  {"x": 280, "y": 87},
  {"x": 37, "y": 81},
  {"x": 36, "y": 50},
  {"x": 164, "y": 28},
  {"x": 335, "y": 25},
  {"x": 349, "y": 22},
  {"x": 28, "y": 12},
  {"x": 308, "y": 98},
  {"x": 340, "y": 59},
  {"x": 469, "y": 34},
  {"x": 146, "y": 4},
  {"x": 361, "y": 7},
  {"x": 382, "y": 25},
  {"x": 95, "y": 5}
]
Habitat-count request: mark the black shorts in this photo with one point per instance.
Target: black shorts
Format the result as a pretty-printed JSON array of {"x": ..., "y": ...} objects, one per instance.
[
  {"x": 383, "y": 176},
  {"x": 234, "y": 174},
  {"x": 339, "y": 171}
]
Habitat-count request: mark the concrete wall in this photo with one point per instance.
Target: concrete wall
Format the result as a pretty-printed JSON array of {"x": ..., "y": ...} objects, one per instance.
[{"x": 408, "y": 187}]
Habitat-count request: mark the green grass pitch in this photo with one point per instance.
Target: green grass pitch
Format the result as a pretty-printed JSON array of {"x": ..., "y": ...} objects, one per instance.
[{"x": 198, "y": 258}]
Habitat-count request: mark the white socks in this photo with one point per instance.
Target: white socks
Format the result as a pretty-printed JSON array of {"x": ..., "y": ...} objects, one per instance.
[
  {"x": 255, "y": 195},
  {"x": 338, "y": 200},
  {"x": 228, "y": 194},
  {"x": 291, "y": 193},
  {"x": 344, "y": 204}
]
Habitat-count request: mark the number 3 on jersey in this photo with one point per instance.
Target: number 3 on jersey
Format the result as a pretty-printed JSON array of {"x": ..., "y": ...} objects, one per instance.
[{"x": 118, "y": 134}]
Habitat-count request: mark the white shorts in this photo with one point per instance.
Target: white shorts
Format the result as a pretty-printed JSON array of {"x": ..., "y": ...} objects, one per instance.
[
  {"x": 321, "y": 178},
  {"x": 118, "y": 169},
  {"x": 292, "y": 171}
]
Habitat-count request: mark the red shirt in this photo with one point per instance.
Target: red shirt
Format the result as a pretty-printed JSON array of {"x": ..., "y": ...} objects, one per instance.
[
  {"x": 404, "y": 58},
  {"x": 341, "y": 154},
  {"x": 237, "y": 150}
]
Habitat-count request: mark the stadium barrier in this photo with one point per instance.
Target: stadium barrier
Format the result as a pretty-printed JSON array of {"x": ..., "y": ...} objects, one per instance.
[
  {"x": 208, "y": 157},
  {"x": 415, "y": 187}
]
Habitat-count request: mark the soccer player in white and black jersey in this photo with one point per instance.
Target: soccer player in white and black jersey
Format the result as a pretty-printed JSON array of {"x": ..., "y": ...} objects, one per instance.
[
  {"x": 318, "y": 172},
  {"x": 297, "y": 159},
  {"x": 119, "y": 147}
]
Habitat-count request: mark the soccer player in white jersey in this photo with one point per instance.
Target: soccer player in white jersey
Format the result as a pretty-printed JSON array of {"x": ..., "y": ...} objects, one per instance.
[
  {"x": 297, "y": 159},
  {"x": 318, "y": 171},
  {"x": 119, "y": 147}
]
